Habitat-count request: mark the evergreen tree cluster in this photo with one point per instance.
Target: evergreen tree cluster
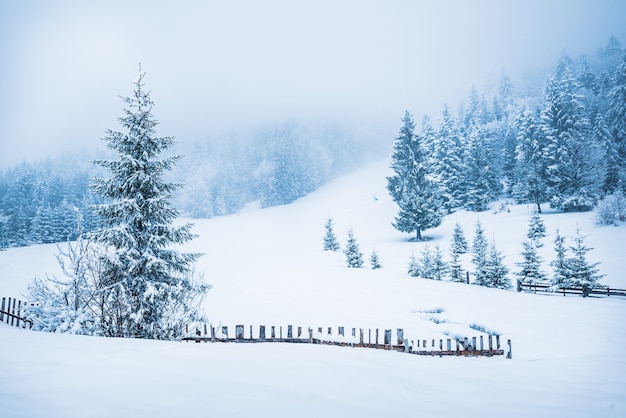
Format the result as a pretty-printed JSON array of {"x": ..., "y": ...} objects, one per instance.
[
  {"x": 565, "y": 146},
  {"x": 38, "y": 201}
]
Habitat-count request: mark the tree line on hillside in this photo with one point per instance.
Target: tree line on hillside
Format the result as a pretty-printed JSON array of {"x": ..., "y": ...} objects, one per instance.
[
  {"x": 274, "y": 165},
  {"x": 566, "y": 148}
]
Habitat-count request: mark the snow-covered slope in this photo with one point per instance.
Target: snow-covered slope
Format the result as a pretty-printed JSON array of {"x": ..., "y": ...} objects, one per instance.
[{"x": 267, "y": 267}]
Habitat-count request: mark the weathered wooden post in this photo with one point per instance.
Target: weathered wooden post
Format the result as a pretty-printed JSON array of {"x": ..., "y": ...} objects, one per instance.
[
  {"x": 261, "y": 332},
  {"x": 510, "y": 353},
  {"x": 19, "y": 314},
  {"x": 212, "y": 333},
  {"x": 289, "y": 332},
  {"x": 204, "y": 325},
  {"x": 2, "y": 310},
  {"x": 273, "y": 330},
  {"x": 440, "y": 345},
  {"x": 354, "y": 332},
  {"x": 490, "y": 342},
  {"x": 11, "y": 311},
  {"x": 467, "y": 277},
  {"x": 369, "y": 336},
  {"x": 400, "y": 334},
  {"x": 341, "y": 331},
  {"x": 299, "y": 332},
  {"x": 225, "y": 331},
  {"x": 361, "y": 335},
  {"x": 387, "y": 337},
  {"x": 448, "y": 344},
  {"x": 519, "y": 285},
  {"x": 497, "y": 342},
  {"x": 330, "y": 330},
  {"x": 310, "y": 335},
  {"x": 407, "y": 347},
  {"x": 239, "y": 332},
  {"x": 481, "y": 343},
  {"x": 473, "y": 343},
  {"x": 376, "y": 336},
  {"x": 251, "y": 336},
  {"x": 280, "y": 330},
  {"x": 457, "y": 344}
]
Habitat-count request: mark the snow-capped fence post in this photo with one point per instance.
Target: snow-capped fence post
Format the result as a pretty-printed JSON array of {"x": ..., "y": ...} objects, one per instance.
[
  {"x": 490, "y": 342},
  {"x": 280, "y": 330},
  {"x": 376, "y": 336},
  {"x": 481, "y": 343},
  {"x": 387, "y": 337},
  {"x": 341, "y": 331},
  {"x": 251, "y": 336},
  {"x": 467, "y": 277},
  {"x": 261, "y": 332},
  {"x": 360, "y": 335},
  {"x": 407, "y": 347},
  {"x": 310, "y": 335},
  {"x": 239, "y": 332},
  {"x": 212, "y": 333},
  {"x": 473, "y": 343},
  {"x": 400, "y": 335},
  {"x": 449, "y": 344},
  {"x": 289, "y": 332},
  {"x": 509, "y": 355}
]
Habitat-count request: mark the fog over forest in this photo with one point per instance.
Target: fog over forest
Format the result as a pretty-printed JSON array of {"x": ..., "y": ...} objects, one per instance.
[{"x": 218, "y": 68}]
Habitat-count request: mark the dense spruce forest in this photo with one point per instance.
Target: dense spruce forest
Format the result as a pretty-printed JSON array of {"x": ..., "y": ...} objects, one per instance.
[{"x": 564, "y": 146}]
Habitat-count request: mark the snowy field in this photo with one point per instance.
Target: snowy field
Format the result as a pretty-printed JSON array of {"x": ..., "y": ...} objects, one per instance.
[{"x": 267, "y": 267}]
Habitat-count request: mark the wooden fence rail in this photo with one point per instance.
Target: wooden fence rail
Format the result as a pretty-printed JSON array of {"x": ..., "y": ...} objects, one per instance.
[
  {"x": 346, "y": 337},
  {"x": 11, "y": 311},
  {"x": 548, "y": 288}
]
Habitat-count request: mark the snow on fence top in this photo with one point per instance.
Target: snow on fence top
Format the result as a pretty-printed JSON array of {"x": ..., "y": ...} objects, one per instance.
[{"x": 350, "y": 337}]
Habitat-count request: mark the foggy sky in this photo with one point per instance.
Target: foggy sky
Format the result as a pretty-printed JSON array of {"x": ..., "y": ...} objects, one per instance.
[{"x": 220, "y": 66}]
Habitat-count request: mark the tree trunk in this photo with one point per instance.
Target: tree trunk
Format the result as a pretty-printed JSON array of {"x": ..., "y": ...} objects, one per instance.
[
  {"x": 418, "y": 234},
  {"x": 538, "y": 207}
]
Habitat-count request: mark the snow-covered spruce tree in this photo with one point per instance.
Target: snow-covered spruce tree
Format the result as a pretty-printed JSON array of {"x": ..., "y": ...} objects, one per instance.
[
  {"x": 536, "y": 230},
  {"x": 413, "y": 268},
  {"x": 530, "y": 267},
  {"x": 529, "y": 184},
  {"x": 458, "y": 246},
  {"x": 411, "y": 187},
  {"x": 481, "y": 185},
  {"x": 479, "y": 256},
  {"x": 439, "y": 268},
  {"x": 575, "y": 169},
  {"x": 330, "y": 240},
  {"x": 616, "y": 118},
  {"x": 354, "y": 256},
  {"x": 495, "y": 270},
  {"x": 448, "y": 161},
  {"x": 581, "y": 272},
  {"x": 375, "y": 260},
  {"x": 147, "y": 288},
  {"x": 561, "y": 278}
]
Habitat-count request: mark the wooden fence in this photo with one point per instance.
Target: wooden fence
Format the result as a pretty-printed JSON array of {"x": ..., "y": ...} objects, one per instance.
[
  {"x": 548, "y": 288},
  {"x": 11, "y": 312},
  {"x": 351, "y": 337}
]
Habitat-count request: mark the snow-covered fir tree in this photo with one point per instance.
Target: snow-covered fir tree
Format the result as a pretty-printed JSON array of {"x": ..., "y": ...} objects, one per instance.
[
  {"x": 354, "y": 256},
  {"x": 530, "y": 267},
  {"x": 616, "y": 117},
  {"x": 147, "y": 287},
  {"x": 561, "y": 276},
  {"x": 330, "y": 240},
  {"x": 438, "y": 267},
  {"x": 496, "y": 273},
  {"x": 375, "y": 260},
  {"x": 448, "y": 166},
  {"x": 480, "y": 182},
  {"x": 479, "y": 256},
  {"x": 458, "y": 246},
  {"x": 575, "y": 166},
  {"x": 413, "y": 268},
  {"x": 582, "y": 273},
  {"x": 411, "y": 187},
  {"x": 530, "y": 180},
  {"x": 536, "y": 230}
]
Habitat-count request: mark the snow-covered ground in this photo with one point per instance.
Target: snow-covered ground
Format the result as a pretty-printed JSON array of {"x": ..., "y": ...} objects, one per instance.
[{"x": 267, "y": 267}]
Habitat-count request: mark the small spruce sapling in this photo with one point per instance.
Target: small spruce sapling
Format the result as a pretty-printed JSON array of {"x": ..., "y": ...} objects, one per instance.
[
  {"x": 582, "y": 273},
  {"x": 330, "y": 240},
  {"x": 530, "y": 271},
  {"x": 479, "y": 257},
  {"x": 354, "y": 257},
  {"x": 413, "y": 266},
  {"x": 536, "y": 230},
  {"x": 375, "y": 260}
]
